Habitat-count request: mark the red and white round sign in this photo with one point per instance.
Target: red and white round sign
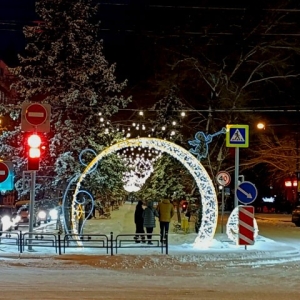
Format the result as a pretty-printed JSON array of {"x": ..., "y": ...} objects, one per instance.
[
  {"x": 36, "y": 114},
  {"x": 223, "y": 178},
  {"x": 4, "y": 171}
]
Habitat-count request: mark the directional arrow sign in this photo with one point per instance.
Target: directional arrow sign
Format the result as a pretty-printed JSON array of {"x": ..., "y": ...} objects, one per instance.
[{"x": 246, "y": 192}]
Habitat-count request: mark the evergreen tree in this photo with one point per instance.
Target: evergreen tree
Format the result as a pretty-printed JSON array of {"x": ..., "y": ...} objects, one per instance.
[{"x": 64, "y": 66}]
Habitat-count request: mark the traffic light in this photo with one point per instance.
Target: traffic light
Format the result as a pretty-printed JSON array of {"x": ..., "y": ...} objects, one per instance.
[
  {"x": 34, "y": 152},
  {"x": 184, "y": 206}
]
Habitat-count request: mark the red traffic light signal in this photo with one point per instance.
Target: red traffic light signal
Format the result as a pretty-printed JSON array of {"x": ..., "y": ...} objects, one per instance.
[{"x": 34, "y": 142}]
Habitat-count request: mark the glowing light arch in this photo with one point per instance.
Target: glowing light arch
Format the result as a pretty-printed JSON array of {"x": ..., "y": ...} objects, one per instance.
[{"x": 203, "y": 181}]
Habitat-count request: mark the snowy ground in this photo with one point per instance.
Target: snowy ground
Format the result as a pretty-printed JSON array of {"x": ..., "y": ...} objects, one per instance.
[{"x": 267, "y": 270}]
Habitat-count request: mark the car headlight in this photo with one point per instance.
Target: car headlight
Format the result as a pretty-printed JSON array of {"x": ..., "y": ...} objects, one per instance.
[
  {"x": 42, "y": 214},
  {"x": 6, "y": 222},
  {"x": 53, "y": 213},
  {"x": 6, "y": 219}
]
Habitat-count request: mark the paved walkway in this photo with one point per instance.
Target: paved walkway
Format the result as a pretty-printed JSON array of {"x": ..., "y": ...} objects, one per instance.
[{"x": 122, "y": 222}]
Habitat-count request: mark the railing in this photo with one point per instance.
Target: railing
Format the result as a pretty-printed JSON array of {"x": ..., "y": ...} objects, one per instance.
[
  {"x": 129, "y": 241},
  {"x": 45, "y": 240},
  {"x": 65, "y": 242},
  {"x": 10, "y": 238},
  {"x": 87, "y": 241}
]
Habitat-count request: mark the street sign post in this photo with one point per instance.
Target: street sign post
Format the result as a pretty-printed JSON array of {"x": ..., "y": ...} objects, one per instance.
[
  {"x": 237, "y": 136},
  {"x": 35, "y": 117},
  {"x": 246, "y": 192},
  {"x": 223, "y": 178}
]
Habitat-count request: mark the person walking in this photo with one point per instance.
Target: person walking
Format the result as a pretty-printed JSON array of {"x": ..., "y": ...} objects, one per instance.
[
  {"x": 165, "y": 211},
  {"x": 149, "y": 220},
  {"x": 139, "y": 222}
]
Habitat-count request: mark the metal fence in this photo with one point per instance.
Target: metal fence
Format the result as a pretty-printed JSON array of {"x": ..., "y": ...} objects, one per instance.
[{"x": 63, "y": 243}]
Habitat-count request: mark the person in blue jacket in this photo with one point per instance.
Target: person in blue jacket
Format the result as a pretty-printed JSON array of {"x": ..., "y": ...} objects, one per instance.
[{"x": 149, "y": 220}]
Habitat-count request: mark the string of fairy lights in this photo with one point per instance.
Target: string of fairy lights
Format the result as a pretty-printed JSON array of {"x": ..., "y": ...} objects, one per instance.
[
  {"x": 138, "y": 128},
  {"x": 139, "y": 161},
  {"x": 140, "y": 165}
]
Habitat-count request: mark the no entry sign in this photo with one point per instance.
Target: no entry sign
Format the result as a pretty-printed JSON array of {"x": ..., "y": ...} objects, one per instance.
[
  {"x": 36, "y": 114},
  {"x": 35, "y": 117},
  {"x": 4, "y": 172}
]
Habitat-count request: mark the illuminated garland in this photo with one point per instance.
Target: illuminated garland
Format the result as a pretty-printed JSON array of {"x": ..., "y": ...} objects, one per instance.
[{"x": 203, "y": 181}]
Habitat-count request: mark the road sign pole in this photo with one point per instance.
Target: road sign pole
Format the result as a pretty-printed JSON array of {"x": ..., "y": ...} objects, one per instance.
[
  {"x": 236, "y": 174},
  {"x": 31, "y": 209},
  {"x": 222, "y": 216}
]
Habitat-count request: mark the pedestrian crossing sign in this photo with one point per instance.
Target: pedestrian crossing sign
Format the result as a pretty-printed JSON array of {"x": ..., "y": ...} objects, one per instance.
[{"x": 237, "y": 136}]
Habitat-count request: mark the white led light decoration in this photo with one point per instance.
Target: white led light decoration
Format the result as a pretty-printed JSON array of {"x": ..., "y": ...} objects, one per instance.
[{"x": 203, "y": 181}]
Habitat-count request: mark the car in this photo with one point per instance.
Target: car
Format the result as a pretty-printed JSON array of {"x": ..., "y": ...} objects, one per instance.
[
  {"x": 44, "y": 215},
  {"x": 47, "y": 212},
  {"x": 8, "y": 218},
  {"x": 24, "y": 215},
  {"x": 296, "y": 216}
]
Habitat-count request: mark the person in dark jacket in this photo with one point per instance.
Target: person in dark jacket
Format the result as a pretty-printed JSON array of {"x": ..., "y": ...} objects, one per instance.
[
  {"x": 139, "y": 221},
  {"x": 149, "y": 220}
]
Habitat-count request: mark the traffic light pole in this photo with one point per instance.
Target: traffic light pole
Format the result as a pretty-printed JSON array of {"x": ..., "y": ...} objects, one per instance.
[{"x": 31, "y": 208}]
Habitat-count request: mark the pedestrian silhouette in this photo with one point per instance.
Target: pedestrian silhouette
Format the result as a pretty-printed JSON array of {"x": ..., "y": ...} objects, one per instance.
[{"x": 139, "y": 222}]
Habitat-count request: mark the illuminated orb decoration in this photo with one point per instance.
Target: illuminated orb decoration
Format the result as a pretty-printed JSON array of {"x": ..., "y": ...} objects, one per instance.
[
  {"x": 232, "y": 226},
  {"x": 203, "y": 181}
]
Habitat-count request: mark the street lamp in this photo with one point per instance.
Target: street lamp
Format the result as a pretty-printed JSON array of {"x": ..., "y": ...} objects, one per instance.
[{"x": 261, "y": 125}]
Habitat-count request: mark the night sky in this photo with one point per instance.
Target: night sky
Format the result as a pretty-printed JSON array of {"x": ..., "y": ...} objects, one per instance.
[
  {"x": 136, "y": 30},
  {"x": 14, "y": 14},
  {"x": 140, "y": 21}
]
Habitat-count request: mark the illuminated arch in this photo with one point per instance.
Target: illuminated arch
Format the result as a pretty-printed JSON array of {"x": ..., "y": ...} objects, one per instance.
[{"x": 203, "y": 181}]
